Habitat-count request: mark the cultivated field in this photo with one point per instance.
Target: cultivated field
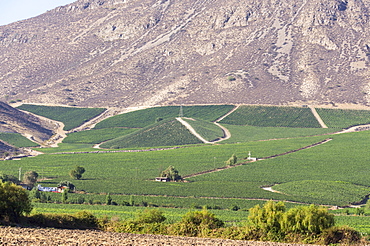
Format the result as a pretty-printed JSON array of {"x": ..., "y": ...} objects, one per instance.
[
  {"x": 333, "y": 172},
  {"x": 71, "y": 117}
]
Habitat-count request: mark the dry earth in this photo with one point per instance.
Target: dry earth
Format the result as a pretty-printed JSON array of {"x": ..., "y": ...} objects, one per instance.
[{"x": 31, "y": 236}]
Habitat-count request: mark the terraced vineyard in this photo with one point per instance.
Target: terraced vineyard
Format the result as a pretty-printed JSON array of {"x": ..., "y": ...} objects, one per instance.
[
  {"x": 145, "y": 117},
  {"x": 165, "y": 133},
  {"x": 343, "y": 118},
  {"x": 17, "y": 140},
  {"x": 96, "y": 136},
  {"x": 272, "y": 117},
  {"x": 241, "y": 133},
  {"x": 70, "y": 116},
  {"x": 207, "y": 130}
]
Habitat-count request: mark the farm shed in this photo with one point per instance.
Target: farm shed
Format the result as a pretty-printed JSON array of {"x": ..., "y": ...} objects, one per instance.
[{"x": 162, "y": 179}]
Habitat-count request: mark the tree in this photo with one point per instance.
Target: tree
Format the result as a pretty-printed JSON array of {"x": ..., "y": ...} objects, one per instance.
[
  {"x": 14, "y": 201},
  {"x": 30, "y": 178},
  {"x": 266, "y": 220},
  {"x": 10, "y": 178},
  {"x": 232, "y": 160},
  {"x": 65, "y": 196},
  {"x": 171, "y": 173},
  {"x": 77, "y": 172},
  {"x": 108, "y": 199},
  {"x": 150, "y": 216},
  {"x": 271, "y": 222},
  {"x": 197, "y": 223}
]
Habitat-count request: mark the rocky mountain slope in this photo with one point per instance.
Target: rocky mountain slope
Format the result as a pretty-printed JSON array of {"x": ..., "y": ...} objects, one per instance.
[
  {"x": 14, "y": 120},
  {"x": 144, "y": 52}
]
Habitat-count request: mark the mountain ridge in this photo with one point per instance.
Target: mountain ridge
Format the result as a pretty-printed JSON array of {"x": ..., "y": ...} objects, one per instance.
[{"x": 145, "y": 52}]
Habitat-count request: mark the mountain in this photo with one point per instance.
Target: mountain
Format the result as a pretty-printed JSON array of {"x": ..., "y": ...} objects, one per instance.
[
  {"x": 121, "y": 53},
  {"x": 14, "y": 120}
]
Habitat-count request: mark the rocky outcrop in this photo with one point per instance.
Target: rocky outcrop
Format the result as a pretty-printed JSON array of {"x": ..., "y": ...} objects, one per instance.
[{"x": 145, "y": 52}]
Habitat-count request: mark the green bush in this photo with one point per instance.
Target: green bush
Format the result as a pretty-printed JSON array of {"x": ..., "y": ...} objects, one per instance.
[
  {"x": 305, "y": 223},
  {"x": 14, "y": 202},
  {"x": 149, "y": 221},
  {"x": 196, "y": 224},
  {"x": 340, "y": 234},
  {"x": 79, "y": 220},
  {"x": 150, "y": 216}
]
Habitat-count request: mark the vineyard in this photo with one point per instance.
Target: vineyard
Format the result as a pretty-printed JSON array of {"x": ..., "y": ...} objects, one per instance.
[
  {"x": 247, "y": 133},
  {"x": 342, "y": 118},
  {"x": 272, "y": 117},
  {"x": 17, "y": 140},
  {"x": 96, "y": 136},
  {"x": 165, "y": 133},
  {"x": 146, "y": 117},
  {"x": 333, "y": 173},
  {"x": 71, "y": 117},
  {"x": 325, "y": 191},
  {"x": 207, "y": 130}
]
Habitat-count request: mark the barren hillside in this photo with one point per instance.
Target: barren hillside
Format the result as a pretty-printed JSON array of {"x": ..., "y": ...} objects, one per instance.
[{"x": 145, "y": 52}]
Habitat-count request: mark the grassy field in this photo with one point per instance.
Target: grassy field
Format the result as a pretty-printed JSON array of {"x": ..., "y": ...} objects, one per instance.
[
  {"x": 17, "y": 140},
  {"x": 252, "y": 133},
  {"x": 71, "y": 117},
  {"x": 146, "y": 117},
  {"x": 343, "y": 118},
  {"x": 206, "y": 129},
  {"x": 96, "y": 136},
  {"x": 164, "y": 133},
  {"x": 272, "y": 117}
]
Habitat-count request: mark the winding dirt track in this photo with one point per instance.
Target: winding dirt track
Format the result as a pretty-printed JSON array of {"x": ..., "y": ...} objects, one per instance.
[{"x": 54, "y": 237}]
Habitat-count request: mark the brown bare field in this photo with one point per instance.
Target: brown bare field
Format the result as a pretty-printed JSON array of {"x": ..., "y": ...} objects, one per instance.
[{"x": 50, "y": 236}]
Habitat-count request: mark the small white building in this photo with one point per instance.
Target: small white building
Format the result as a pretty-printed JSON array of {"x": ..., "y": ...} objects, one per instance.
[{"x": 162, "y": 179}]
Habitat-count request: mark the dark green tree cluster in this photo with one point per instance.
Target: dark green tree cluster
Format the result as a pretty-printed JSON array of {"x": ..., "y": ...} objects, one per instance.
[
  {"x": 232, "y": 160},
  {"x": 9, "y": 178},
  {"x": 77, "y": 172},
  {"x": 30, "y": 178},
  {"x": 273, "y": 222},
  {"x": 171, "y": 173},
  {"x": 14, "y": 202}
]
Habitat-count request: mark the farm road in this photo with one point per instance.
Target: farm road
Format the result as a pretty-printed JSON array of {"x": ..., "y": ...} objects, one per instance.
[
  {"x": 191, "y": 129},
  {"x": 226, "y": 131},
  {"x": 318, "y": 117}
]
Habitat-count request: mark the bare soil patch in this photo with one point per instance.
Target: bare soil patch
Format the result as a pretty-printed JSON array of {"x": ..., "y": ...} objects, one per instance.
[{"x": 50, "y": 236}]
